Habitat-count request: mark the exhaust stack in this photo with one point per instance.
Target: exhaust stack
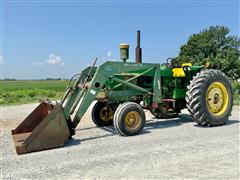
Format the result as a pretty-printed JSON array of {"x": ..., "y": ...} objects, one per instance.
[{"x": 138, "y": 50}]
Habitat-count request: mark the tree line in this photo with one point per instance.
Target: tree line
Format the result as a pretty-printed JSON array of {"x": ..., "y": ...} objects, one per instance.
[{"x": 216, "y": 47}]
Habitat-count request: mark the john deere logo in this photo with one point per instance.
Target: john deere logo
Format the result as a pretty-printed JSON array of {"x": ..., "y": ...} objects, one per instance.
[{"x": 108, "y": 68}]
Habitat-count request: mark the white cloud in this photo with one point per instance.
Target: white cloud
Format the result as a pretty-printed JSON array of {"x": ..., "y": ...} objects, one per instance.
[
  {"x": 2, "y": 60},
  {"x": 53, "y": 59},
  {"x": 109, "y": 57},
  {"x": 109, "y": 54}
]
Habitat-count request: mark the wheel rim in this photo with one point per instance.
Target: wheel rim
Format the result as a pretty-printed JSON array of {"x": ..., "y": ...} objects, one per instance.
[
  {"x": 217, "y": 98},
  {"x": 132, "y": 120},
  {"x": 106, "y": 113}
]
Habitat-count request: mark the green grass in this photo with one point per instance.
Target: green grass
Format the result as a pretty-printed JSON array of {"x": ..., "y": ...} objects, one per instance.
[
  {"x": 19, "y": 92},
  {"x": 236, "y": 93}
]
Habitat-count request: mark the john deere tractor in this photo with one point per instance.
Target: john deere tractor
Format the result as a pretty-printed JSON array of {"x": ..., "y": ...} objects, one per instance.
[{"x": 122, "y": 90}]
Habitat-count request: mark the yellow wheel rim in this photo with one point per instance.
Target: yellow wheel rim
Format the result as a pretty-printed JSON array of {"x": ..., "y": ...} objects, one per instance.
[
  {"x": 106, "y": 113},
  {"x": 132, "y": 120},
  {"x": 217, "y": 98}
]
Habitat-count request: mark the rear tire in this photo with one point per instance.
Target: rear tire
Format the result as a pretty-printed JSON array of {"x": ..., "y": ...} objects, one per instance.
[
  {"x": 102, "y": 114},
  {"x": 209, "y": 98},
  {"x": 129, "y": 119}
]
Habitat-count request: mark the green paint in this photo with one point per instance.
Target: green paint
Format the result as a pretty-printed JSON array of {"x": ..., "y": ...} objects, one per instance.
[{"x": 118, "y": 82}]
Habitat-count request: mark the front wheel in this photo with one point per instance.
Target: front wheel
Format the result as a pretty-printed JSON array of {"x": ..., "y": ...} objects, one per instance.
[
  {"x": 209, "y": 98},
  {"x": 129, "y": 119},
  {"x": 102, "y": 114}
]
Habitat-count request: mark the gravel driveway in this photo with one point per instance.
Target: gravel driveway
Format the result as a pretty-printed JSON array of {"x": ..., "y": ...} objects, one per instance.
[{"x": 175, "y": 149}]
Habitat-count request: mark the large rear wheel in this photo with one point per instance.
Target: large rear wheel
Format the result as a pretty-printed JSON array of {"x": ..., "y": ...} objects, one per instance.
[{"x": 209, "y": 98}]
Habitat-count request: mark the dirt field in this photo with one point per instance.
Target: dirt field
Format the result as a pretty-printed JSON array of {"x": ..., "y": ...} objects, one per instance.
[{"x": 174, "y": 149}]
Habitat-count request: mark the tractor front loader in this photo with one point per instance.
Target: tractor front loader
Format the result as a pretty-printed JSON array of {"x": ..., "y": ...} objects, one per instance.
[{"x": 122, "y": 90}]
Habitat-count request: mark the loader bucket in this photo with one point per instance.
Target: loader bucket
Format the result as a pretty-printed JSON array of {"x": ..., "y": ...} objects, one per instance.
[{"x": 45, "y": 128}]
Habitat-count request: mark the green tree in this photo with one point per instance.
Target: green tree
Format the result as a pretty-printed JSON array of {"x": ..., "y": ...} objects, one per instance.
[{"x": 216, "y": 46}]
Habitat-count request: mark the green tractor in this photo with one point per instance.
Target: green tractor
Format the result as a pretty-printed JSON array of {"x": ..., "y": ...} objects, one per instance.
[{"x": 123, "y": 90}]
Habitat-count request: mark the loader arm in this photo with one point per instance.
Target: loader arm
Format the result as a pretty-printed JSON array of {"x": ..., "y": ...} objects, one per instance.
[
  {"x": 107, "y": 71},
  {"x": 50, "y": 126}
]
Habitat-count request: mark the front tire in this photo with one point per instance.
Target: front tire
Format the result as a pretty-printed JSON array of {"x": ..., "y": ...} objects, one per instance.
[
  {"x": 209, "y": 98},
  {"x": 129, "y": 119},
  {"x": 102, "y": 114}
]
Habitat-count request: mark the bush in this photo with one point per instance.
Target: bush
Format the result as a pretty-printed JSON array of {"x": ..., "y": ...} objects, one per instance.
[{"x": 236, "y": 92}]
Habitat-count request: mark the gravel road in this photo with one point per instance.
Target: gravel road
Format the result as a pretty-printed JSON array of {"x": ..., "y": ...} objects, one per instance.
[{"x": 175, "y": 149}]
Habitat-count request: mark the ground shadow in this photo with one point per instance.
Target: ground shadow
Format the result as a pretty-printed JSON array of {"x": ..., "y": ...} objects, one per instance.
[
  {"x": 149, "y": 125},
  {"x": 73, "y": 142},
  {"x": 167, "y": 123},
  {"x": 87, "y": 128},
  {"x": 105, "y": 128},
  {"x": 229, "y": 122}
]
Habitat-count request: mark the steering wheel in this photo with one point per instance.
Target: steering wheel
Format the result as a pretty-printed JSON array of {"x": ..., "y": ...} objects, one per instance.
[{"x": 167, "y": 62}]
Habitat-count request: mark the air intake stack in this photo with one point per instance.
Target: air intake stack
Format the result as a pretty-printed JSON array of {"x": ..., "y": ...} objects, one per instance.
[{"x": 124, "y": 51}]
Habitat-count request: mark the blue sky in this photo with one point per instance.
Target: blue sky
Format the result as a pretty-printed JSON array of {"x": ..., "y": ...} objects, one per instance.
[{"x": 57, "y": 39}]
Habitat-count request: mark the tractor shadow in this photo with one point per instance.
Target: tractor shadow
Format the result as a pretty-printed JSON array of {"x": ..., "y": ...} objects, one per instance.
[
  {"x": 167, "y": 123},
  {"x": 228, "y": 123},
  {"x": 149, "y": 125},
  {"x": 74, "y": 142}
]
